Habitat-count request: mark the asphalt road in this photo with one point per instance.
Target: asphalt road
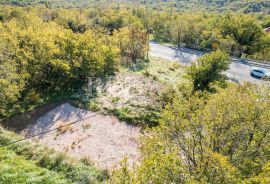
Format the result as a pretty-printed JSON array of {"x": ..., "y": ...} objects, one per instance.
[{"x": 239, "y": 69}]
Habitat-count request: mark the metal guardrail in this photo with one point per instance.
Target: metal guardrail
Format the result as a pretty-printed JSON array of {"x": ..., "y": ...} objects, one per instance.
[{"x": 252, "y": 62}]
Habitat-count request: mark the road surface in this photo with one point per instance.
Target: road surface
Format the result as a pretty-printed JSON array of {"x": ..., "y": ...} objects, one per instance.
[{"x": 239, "y": 69}]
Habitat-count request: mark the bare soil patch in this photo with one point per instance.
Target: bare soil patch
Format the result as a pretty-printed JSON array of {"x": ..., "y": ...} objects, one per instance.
[
  {"x": 102, "y": 140},
  {"x": 18, "y": 123},
  {"x": 130, "y": 90}
]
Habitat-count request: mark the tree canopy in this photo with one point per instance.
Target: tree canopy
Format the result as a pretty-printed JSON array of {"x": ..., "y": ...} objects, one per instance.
[
  {"x": 208, "y": 70},
  {"x": 47, "y": 51},
  {"x": 214, "y": 138}
]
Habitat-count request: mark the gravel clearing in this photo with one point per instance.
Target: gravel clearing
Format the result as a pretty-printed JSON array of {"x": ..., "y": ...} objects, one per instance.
[{"x": 102, "y": 139}]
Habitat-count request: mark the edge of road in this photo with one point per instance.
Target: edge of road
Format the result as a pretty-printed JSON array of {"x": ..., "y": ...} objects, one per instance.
[{"x": 249, "y": 62}]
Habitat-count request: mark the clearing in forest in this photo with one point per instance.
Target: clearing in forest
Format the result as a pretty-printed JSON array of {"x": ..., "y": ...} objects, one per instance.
[{"x": 133, "y": 96}]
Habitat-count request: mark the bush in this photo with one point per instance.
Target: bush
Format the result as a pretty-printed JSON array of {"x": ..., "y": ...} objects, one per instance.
[
  {"x": 144, "y": 118},
  {"x": 208, "y": 70}
]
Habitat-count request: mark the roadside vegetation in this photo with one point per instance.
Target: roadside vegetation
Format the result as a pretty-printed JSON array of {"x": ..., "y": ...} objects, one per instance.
[
  {"x": 164, "y": 71},
  {"x": 207, "y": 70},
  {"x": 217, "y": 134}
]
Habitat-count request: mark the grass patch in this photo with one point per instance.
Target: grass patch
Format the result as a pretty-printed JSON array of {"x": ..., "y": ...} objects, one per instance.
[
  {"x": 149, "y": 118},
  {"x": 91, "y": 105},
  {"x": 16, "y": 169},
  {"x": 162, "y": 70},
  {"x": 48, "y": 159},
  {"x": 64, "y": 129}
]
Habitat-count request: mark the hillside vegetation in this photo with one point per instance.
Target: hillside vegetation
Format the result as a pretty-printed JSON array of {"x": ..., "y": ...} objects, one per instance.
[
  {"x": 210, "y": 131},
  {"x": 207, "y": 138},
  {"x": 196, "y": 126},
  {"x": 52, "y": 51},
  {"x": 248, "y": 6}
]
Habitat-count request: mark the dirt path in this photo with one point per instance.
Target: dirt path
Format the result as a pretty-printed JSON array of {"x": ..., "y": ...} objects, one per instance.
[{"x": 102, "y": 139}]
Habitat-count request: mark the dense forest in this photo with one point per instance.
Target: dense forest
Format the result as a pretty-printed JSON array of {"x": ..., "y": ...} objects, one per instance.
[
  {"x": 51, "y": 51},
  {"x": 179, "y": 5},
  {"x": 206, "y": 130}
]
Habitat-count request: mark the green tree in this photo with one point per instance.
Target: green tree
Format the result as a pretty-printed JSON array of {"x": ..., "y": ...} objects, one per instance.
[
  {"x": 40, "y": 55},
  {"x": 238, "y": 126},
  {"x": 208, "y": 70},
  {"x": 263, "y": 177},
  {"x": 133, "y": 44},
  {"x": 209, "y": 138},
  {"x": 244, "y": 30},
  {"x": 11, "y": 85}
]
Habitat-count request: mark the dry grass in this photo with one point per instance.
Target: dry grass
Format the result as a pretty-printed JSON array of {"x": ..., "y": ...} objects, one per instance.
[
  {"x": 87, "y": 160},
  {"x": 64, "y": 129},
  {"x": 164, "y": 71},
  {"x": 86, "y": 126}
]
